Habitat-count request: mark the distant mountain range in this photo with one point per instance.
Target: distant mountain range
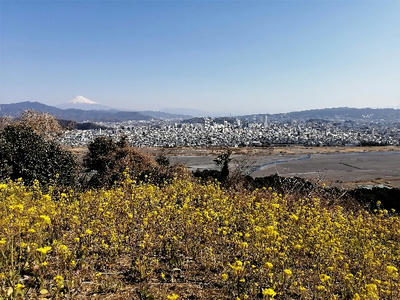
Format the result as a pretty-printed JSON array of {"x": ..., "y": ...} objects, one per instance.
[
  {"x": 326, "y": 114},
  {"x": 110, "y": 115},
  {"x": 332, "y": 114},
  {"x": 191, "y": 112},
  {"x": 80, "y": 115}
]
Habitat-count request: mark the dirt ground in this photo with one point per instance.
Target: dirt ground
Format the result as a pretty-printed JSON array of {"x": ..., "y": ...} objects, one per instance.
[
  {"x": 339, "y": 166},
  {"x": 255, "y": 150}
]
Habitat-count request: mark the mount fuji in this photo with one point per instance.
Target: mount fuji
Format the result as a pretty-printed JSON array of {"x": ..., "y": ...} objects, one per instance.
[{"x": 83, "y": 103}]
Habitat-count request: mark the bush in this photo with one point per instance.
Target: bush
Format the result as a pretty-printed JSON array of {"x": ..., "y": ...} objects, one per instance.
[
  {"x": 27, "y": 155},
  {"x": 163, "y": 160},
  {"x": 5, "y": 121},
  {"x": 108, "y": 160},
  {"x": 43, "y": 124}
]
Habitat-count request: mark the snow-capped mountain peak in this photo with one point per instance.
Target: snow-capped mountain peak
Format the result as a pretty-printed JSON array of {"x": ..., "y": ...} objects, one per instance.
[
  {"x": 81, "y": 102},
  {"x": 82, "y": 99}
]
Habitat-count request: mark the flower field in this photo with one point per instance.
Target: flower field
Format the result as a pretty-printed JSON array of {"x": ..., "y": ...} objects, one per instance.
[{"x": 187, "y": 240}]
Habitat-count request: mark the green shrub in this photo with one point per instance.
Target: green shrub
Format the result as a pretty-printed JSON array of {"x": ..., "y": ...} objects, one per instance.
[{"x": 27, "y": 155}]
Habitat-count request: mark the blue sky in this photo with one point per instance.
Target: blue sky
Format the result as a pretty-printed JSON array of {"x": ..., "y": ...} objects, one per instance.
[{"x": 226, "y": 56}]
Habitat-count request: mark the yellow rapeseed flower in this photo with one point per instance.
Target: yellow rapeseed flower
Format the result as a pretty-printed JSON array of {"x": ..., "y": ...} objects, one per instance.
[
  {"x": 44, "y": 250},
  {"x": 269, "y": 292},
  {"x": 392, "y": 271},
  {"x": 324, "y": 277},
  {"x": 46, "y": 219},
  {"x": 288, "y": 272},
  {"x": 59, "y": 281},
  {"x": 372, "y": 291},
  {"x": 173, "y": 296},
  {"x": 62, "y": 248},
  {"x": 43, "y": 292},
  {"x": 268, "y": 265},
  {"x": 244, "y": 245}
]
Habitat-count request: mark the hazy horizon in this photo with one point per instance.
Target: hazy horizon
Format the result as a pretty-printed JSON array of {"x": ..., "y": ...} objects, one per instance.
[{"x": 238, "y": 57}]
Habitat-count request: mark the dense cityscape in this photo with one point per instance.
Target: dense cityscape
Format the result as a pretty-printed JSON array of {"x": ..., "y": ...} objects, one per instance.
[{"x": 236, "y": 133}]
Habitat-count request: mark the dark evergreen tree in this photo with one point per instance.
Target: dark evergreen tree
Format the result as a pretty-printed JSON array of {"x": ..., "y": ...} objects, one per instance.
[{"x": 27, "y": 155}]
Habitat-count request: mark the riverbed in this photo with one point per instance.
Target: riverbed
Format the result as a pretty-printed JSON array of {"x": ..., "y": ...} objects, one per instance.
[{"x": 342, "y": 169}]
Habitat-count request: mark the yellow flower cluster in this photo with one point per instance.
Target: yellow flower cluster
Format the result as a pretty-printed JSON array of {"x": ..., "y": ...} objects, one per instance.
[{"x": 185, "y": 238}]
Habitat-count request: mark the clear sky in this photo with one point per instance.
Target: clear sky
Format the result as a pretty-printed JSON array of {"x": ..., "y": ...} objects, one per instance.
[{"x": 226, "y": 56}]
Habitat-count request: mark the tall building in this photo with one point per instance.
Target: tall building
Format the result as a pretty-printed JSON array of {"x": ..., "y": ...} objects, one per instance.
[{"x": 265, "y": 121}]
